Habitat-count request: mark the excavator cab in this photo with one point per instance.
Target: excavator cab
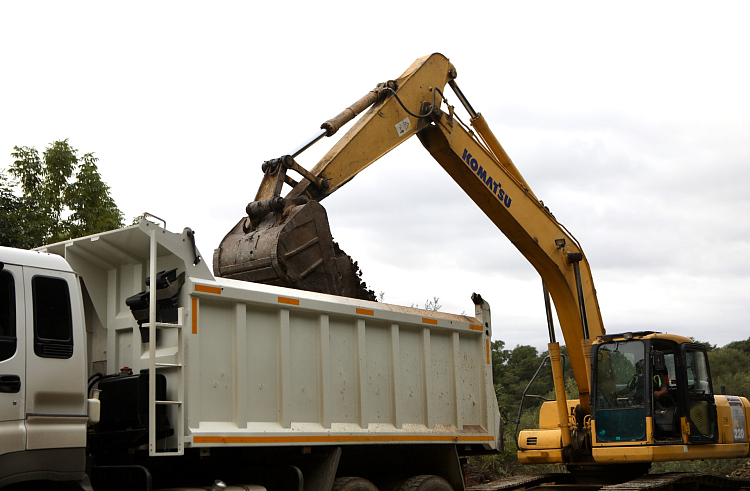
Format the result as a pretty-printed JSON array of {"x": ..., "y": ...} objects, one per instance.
[{"x": 651, "y": 388}]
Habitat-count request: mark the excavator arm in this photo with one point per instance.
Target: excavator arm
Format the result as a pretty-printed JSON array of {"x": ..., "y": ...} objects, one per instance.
[
  {"x": 529, "y": 225},
  {"x": 387, "y": 124},
  {"x": 279, "y": 231}
]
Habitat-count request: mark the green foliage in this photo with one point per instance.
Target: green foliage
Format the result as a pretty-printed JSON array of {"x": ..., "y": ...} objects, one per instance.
[
  {"x": 719, "y": 467},
  {"x": 92, "y": 208},
  {"x": 433, "y": 304},
  {"x": 512, "y": 370},
  {"x": 730, "y": 368},
  {"x": 709, "y": 347},
  {"x": 12, "y": 212},
  {"x": 63, "y": 197},
  {"x": 740, "y": 345}
]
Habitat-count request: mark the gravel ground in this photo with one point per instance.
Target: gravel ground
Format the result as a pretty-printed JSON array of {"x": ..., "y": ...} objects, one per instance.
[{"x": 743, "y": 471}]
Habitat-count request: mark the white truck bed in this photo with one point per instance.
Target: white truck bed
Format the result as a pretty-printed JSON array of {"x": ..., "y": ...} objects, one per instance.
[{"x": 264, "y": 365}]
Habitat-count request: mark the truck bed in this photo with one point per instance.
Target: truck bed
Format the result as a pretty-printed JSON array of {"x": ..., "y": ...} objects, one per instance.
[{"x": 259, "y": 365}]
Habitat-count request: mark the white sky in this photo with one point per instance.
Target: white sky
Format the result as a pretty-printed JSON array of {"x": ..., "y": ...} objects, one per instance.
[{"x": 631, "y": 120}]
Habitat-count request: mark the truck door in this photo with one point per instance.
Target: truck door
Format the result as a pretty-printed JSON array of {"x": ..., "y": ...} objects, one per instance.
[
  {"x": 697, "y": 394},
  {"x": 55, "y": 361},
  {"x": 12, "y": 361}
]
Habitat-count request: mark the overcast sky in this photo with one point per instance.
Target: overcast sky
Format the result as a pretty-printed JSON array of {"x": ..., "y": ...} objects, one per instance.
[{"x": 630, "y": 120}]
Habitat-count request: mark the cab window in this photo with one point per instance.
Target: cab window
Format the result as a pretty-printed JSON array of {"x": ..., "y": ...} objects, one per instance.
[
  {"x": 621, "y": 388},
  {"x": 7, "y": 316},
  {"x": 697, "y": 372},
  {"x": 53, "y": 325}
]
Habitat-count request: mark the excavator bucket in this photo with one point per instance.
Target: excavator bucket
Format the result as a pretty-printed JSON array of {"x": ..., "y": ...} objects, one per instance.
[{"x": 290, "y": 247}]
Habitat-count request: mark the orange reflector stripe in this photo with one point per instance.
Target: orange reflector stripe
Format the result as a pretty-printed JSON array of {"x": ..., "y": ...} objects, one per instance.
[
  {"x": 488, "y": 351},
  {"x": 475, "y": 328},
  {"x": 342, "y": 438},
  {"x": 195, "y": 315},
  {"x": 289, "y": 301},
  {"x": 208, "y": 289},
  {"x": 365, "y": 311},
  {"x": 425, "y": 320}
]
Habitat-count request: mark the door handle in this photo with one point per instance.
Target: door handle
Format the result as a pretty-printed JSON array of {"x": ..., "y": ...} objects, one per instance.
[{"x": 10, "y": 384}]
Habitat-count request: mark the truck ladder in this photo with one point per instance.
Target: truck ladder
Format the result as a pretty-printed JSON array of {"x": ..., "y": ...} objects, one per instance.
[{"x": 153, "y": 367}]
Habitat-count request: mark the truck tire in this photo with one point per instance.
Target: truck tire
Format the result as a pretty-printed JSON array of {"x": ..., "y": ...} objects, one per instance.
[
  {"x": 353, "y": 484},
  {"x": 425, "y": 483}
]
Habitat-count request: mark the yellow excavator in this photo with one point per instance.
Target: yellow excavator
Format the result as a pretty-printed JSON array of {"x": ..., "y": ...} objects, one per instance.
[{"x": 643, "y": 396}]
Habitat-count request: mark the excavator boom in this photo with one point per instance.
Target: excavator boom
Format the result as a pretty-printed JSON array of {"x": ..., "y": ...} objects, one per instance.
[{"x": 286, "y": 240}]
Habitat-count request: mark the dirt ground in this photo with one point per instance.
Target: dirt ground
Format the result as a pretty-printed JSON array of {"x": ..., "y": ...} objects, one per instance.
[
  {"x": 743, "y": 471},
  {"x": 478, "y": 474}
]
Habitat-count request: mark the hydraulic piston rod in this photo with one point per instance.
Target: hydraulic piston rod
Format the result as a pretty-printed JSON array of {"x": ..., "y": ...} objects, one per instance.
[
  {"x": 308, "y": 143},
  {"x": 480, "y": 124},
  {"x": 334, "y": 124}
]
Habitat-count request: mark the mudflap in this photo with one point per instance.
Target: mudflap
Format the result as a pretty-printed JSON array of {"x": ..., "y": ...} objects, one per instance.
[{"x": 292, "y": 248}]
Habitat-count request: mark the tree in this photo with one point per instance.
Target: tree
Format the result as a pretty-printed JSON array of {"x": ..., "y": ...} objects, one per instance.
[
  {"x": 12, "y": 212},
  {"x": 730, "y": 368},
  {"x": 92, "y": 208},
  {"x": 433, "y": 304},
  {"x": 512, "y": 370},
  {"x": 740, "y": 345},
  {"x": 709, "y": 347},
  {"x": 63, "y": 197}
]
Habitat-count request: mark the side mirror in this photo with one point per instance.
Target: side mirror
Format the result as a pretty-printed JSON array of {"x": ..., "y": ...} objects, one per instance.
[{"x": 658, "y": 361}]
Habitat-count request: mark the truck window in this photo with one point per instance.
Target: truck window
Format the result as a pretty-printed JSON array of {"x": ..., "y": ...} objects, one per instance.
[
  {"x": 7, "y": 316},
  {"x": 53, "y": 326}
]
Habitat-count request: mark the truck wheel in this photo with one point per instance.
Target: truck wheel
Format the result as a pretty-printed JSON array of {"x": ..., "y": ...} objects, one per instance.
[
  {"x": 353, "y": 484},
  {"x": 425, "y": 483}
]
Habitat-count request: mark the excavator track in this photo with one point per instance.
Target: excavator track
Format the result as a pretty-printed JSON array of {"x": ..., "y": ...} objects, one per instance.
[
  {"x": 520, "y": 482},
  {"x": 677, "y": 481}
]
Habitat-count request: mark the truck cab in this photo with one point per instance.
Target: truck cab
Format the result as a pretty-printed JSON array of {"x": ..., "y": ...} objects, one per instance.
[{"x": 43, "y": 403}]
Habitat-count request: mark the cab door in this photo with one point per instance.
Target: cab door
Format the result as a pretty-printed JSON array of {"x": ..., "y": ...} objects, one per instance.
[
  {"x": 697, "y": 395},
  {"x": 56, "y": 411},
  {"x": 12, "y": 361}
]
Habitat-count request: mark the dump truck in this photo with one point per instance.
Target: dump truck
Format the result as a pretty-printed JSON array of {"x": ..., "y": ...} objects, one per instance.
[{"x": 125, "y": 364}]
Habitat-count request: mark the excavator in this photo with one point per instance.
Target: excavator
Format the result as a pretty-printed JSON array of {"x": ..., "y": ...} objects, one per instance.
[{"x": 643, "y": 396}]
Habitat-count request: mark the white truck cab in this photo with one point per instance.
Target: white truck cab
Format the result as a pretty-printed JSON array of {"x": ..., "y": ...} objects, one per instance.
[{"x": 43, "y": 402}]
